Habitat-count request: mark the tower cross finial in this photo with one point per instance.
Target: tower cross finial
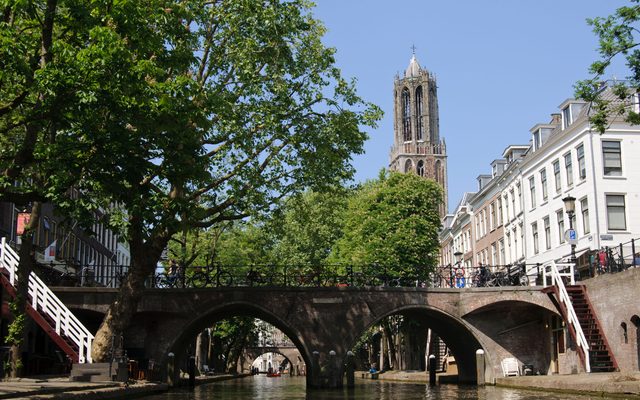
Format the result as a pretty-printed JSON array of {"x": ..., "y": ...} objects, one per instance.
[{"x": 413, "y": 48}]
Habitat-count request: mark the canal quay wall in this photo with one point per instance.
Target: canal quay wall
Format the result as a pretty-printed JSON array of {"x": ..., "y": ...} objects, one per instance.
[
  {"x": 610, "y": 384},
  {"x": 615, "y": 299},
  {"x": 61, "y": 388}
]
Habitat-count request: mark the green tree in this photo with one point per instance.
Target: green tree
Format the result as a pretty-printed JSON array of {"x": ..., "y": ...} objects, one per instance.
[
  {"x": 307, "y": 230},
  {"x": 170, "y": 115},
  {"x": 246, "y": 109},
  {"x": 618, "y": 38},
  {"x": 230, "y": 337},
  {"x": 68, "y": 70},
  {"x": 392, "y": 223}
]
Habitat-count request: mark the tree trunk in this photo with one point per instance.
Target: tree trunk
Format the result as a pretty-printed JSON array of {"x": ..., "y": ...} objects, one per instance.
[
  {"x": 202, "y": 345},
  {"x": 17, "y": 329},
  {"x": 145, "y": 257},
  {"x": 388, "y": 333}
]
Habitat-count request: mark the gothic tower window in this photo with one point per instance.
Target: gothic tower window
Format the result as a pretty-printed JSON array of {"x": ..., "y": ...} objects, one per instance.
[
  {"x": 408, "y": 166},
  {"x": 419, "y": 125},
  {"x": 437, "y": 172},
  {"x": 406, "y": 115},
  {"x": 420, "y": 168}
]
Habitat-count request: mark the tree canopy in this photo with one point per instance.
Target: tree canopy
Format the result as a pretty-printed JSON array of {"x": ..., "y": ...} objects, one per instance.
[
  {"x": 393, "y": 223},
  {"x": 169, "y": 115},
  {"x": 618, "y": 39}
]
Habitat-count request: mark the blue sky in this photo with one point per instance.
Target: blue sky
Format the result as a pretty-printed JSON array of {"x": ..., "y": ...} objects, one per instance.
[{"x": 502, "y": 67}]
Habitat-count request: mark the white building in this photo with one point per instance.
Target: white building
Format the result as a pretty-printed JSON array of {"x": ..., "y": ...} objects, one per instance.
[
  {"x": 568, "y": 158},
  {"x": 565, "y": 158}
]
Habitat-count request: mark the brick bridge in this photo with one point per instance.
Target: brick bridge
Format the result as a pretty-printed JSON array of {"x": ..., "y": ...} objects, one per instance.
[
  {"x": 291, "y": 353},
  {"x": 504, "y": 322}
]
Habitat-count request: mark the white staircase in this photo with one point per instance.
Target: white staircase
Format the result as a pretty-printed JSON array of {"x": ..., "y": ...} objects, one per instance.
[
  {"x": 45, "y": 308},
  {"x": 554, "y": 276}
]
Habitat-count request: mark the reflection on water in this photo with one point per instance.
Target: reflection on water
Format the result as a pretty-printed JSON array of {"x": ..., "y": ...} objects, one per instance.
[{"x": 287, "y": 388}]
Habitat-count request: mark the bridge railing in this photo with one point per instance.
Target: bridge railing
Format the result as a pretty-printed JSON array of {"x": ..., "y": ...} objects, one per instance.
[
  {"x": 337, "y": 275},
  {"x": 457, "y": 276},
  {"x": 556, "y": 275},
  {"x": 42, "y": 299}
]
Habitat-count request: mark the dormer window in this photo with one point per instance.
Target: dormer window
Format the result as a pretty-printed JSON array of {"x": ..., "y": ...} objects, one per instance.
[
  {"x": 537, "y": 141},
  {"x": 570, "y": 114}
]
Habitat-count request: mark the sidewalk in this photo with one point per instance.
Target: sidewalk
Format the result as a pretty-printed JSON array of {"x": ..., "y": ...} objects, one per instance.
[
  {"x": 601, "y": 383},
  {"x": 62, "y": 388},
  {"x": 625, "y": 385}
]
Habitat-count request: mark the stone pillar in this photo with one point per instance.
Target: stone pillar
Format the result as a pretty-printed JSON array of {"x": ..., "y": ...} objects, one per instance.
[
  {"x": 480, "y": 367},
  {"x": 171, "y": 368},
  {"x": 432, "y": 370},
  {"x": 191, "y": 368},
  {"x": 350, "y": 369},
  {"x": 332, "y": 370},
  {"x": 315, "y": 369}
]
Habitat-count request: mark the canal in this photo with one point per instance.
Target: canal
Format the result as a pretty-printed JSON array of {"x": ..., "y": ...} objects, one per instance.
[{"x": 288, "y": 388}]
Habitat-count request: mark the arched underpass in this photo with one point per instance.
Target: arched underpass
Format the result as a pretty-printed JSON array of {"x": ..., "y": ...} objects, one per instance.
[{"x": 185, "y": 338}]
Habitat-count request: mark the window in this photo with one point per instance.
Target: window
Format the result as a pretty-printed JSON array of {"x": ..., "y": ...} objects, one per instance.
[
  {"x": 408, "y": 166},
  {"x": 568, "y": 169},
  {"x": 534, "y": 231},
  {"x": 560, "y": 219},
  {"x": 485, "y": 221},
  {"x": 532, "y": 189},
  {"x": 494, "y": 254},
  {"x": 616, "y": 218},
  {"x": 494, "y": 219},
  {"x": 499, "y": 211},
  {"x": 536, "y": 139},
  {"x": 420, "y": 168},
  {"x": 420, "y": 130},
  {"x": 547, "y": 233},
  {"x": 566, "y": 117},
  {"x": 506, "y": 208},
  {"x": 612, "y": 158},
  {"x": 513, "y": 203},
  {"x": 543, "y": 183},
  {"x": 556, "y": 175},
  {"x": 582, "y": 169},
  {"x": 406, "y": 115},
  {"x": 521, "y": 226},
  {"x": 501, "y": 247},
  {"x": 584, "y": 209}
]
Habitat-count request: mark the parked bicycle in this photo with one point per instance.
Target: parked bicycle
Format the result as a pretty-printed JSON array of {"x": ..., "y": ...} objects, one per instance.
[{"x": 210, "y": 276}]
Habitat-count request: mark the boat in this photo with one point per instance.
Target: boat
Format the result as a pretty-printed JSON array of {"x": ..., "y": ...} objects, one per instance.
[{"x": 273, "y": 374}]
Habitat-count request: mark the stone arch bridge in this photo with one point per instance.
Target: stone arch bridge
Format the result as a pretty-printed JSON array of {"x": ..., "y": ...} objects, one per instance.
[
  {"x": 290, "y": 353},
  {"x": 504, "y": 322}
]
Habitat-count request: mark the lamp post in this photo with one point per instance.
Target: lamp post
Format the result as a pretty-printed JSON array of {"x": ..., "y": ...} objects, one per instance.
[
  {"x": 458, "y": 256},
  {"x": 570, "y": 208}
]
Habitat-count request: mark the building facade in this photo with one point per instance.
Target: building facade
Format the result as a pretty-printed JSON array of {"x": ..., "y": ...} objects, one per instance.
[
  {"x": 519, "y": 215},
  {"x": 417, "y": 146}
]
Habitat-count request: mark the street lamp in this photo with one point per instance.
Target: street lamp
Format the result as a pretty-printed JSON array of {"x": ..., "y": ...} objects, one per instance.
[
  {"x": 458, "y": 256},
  {"x": 570, "y": 208}
]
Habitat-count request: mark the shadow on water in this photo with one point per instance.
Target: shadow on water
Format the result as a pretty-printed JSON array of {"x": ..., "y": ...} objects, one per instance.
[{"x": 287, "y": 388}]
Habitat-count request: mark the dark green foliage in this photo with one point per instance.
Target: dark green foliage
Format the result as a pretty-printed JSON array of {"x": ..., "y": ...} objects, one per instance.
[{"x": 618, "y": 38}]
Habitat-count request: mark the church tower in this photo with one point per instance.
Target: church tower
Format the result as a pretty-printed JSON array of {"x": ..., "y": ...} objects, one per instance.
[{"x": 417, "y": 147}]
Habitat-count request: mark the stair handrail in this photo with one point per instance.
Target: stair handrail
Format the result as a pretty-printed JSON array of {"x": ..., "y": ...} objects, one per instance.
[
  {"x": 65, "y": 322},
  {"x": 551, "y": 270}
]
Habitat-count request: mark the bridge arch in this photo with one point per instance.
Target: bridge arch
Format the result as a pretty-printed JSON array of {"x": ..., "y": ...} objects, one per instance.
[
  {"x": 292, "y": 355},
  {"x": 455, "y": 332},
  {"x": 183, "y": 337}
]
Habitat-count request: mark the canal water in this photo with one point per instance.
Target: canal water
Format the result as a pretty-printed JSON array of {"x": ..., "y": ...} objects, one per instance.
[{"x": 289, "y": 388}]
